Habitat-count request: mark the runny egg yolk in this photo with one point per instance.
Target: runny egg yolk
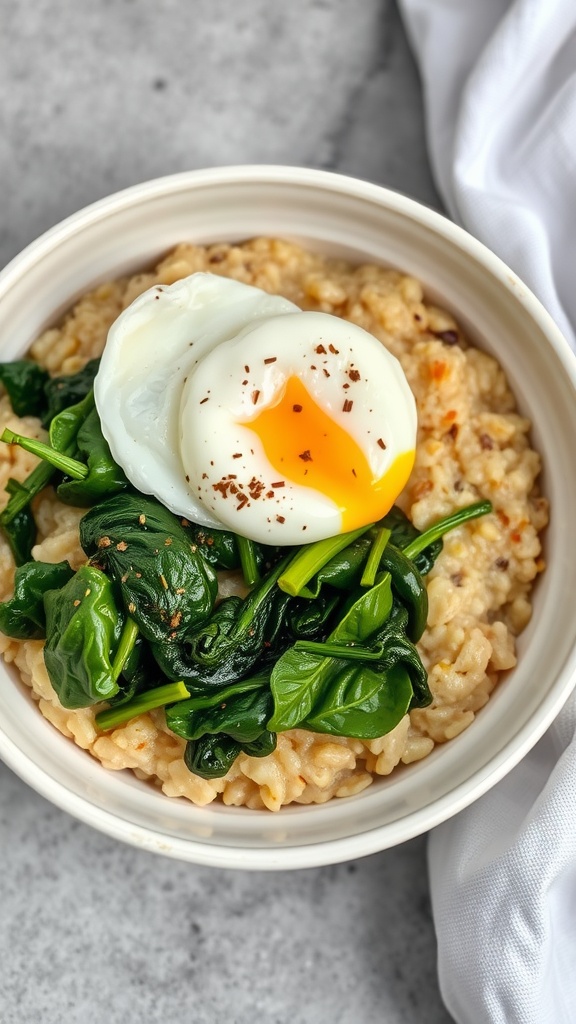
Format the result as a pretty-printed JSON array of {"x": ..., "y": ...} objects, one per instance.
[{"x": 306, "y": 446}]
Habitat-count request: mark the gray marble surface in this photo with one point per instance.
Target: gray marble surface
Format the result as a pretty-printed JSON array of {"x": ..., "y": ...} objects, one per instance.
[{"x": 97, "y": 97}]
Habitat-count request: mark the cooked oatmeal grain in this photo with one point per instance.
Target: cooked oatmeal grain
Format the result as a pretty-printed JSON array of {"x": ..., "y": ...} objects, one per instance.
[{"x": 471, "y": 443}]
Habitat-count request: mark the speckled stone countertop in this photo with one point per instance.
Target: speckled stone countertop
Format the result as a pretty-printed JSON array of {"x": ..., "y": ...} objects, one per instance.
[{"x": 97, "y": 97}]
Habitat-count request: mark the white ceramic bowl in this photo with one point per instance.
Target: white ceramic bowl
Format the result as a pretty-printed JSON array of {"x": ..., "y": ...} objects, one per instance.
[{"x": 359, "y": 221}]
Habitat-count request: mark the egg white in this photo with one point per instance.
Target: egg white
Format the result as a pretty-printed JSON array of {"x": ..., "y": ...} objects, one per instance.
[
  {"x": 185, "y": 369},
  {"x": 151, "y": 349},
  {"x": 215, "y": 420}
]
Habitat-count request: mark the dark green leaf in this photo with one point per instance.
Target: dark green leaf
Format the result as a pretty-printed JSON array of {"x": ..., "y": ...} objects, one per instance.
[
  {"x": 410, "y": 588},
  {"x": 20, "y": 531},
  {"x": 212, "y": 756},
  {"x": 69, "y": 389},
  {"x": 165, "y": 584},
  {"x": 362, "y": 702},
  {"x": 404, "y": 532},
  {"x": 299, "y": 679},
  {"x": 105, "y": 478},
  {"x": 241, "y": 715},
  {"x": 236, "y": 636},
  {"x": 83, "y": 627},
  {"x": 25, "y": 382},
  {"x": 217, "y": 546},
  {"x": 23, "y": 616}
]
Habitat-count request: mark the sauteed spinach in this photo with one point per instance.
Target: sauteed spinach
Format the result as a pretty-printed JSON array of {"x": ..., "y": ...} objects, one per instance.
[{"x": 324, "y": 640}]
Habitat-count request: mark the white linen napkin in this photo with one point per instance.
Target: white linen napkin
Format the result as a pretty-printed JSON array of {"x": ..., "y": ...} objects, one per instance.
[{"x": 499, "y": 81}]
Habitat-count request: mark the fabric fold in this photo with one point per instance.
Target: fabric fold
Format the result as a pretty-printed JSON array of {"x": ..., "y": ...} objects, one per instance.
[{"x": 499, "y": 80}]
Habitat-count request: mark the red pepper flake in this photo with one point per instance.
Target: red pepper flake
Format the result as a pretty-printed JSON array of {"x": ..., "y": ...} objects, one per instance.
[
  {"x": 271, "y": 359},
  {"x": 345, "y": 386},
  {"x": 354, "y": 375},
  {"x": 280, "y": 519},
  {"x": 296, "y": 408},
  {"x": 255, "y": 396},
  {"x": 453, "y": 431},
  {"x": 312, "y": 367},
  {"x": 242, "y": 500},
  {"x": 204, "y": 400},
  {"x": 320, "y": 350},
  {"x": 237, "y": 455},
  {"x": 516, "y": 537},
  {"x": 255, "y": 488},
  {"x": 204, "y": 476},
  {"x": 244, "y": 382},
  {"x": 305, "y": 456},
  {"x": 381, "y": 444},
  {"x": 269, "y": 494},
  {"x": 353, "y": 472},
  {"x": 347, "y": 407},
  {"x": 187, "y": 478},
  {"x": 325, "y": 372},
  {"x": 246, "y": 369},
  {"x": 279, "y": 483},
  {"x": 334, "y": 351}
]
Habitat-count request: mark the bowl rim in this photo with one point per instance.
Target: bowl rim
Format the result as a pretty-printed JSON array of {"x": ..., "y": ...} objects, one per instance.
[{"x": 413, "y": 822}]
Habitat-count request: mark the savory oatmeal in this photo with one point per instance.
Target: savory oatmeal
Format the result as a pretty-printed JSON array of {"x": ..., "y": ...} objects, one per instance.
[{"x": 471, "y": 443}]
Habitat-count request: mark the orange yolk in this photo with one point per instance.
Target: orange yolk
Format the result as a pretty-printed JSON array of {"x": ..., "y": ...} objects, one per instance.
[{"x": 307, "y": 447}]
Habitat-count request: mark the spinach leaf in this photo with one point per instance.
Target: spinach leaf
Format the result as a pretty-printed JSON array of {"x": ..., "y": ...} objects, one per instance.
[
  {"x": 211, "y": 757},
  {"x": 218, "y": 547},
  {"x": 23, "y": 616},
  {"x": 240, "y": 711},
  {"x": 104, "y": 477},
  {"x": 404, "y": 532},
  {"x": 20, "y": 531},
  {"x": 236, "y": 636},
  {"x": 409, "y": 587},
  {"x": 342, "y": 571},
  {"x": 25, "y": 383},
  {"x": 298, "y": 679},
  {"x": 131, "y": 511},
  {"x": 362, "y": 702},
  {"x": 309, "y": 620},
  {"x": 69, "y": 389},
  {"x": 165, "y": 584},
  {"x": 83, "y": 628}
]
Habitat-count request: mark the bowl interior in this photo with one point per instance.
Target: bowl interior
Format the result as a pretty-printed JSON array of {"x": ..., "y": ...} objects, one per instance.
[{"x": 360, "y": 222}]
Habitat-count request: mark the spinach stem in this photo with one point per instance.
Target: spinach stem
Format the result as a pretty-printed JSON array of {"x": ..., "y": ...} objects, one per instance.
[
  {"x": 381, "y": 539},
  {"x": 77, "y": 470},
  {"x": 247, "y": 553},
  {"x": 126, "y": 643},
  {"x": 437, "y": 530},
  {"x": 156, "y": 698},
  {"x": 352, "y": 652},
  {"x": 311, "y": 558},
  {"x": 35, "y": 482}
]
